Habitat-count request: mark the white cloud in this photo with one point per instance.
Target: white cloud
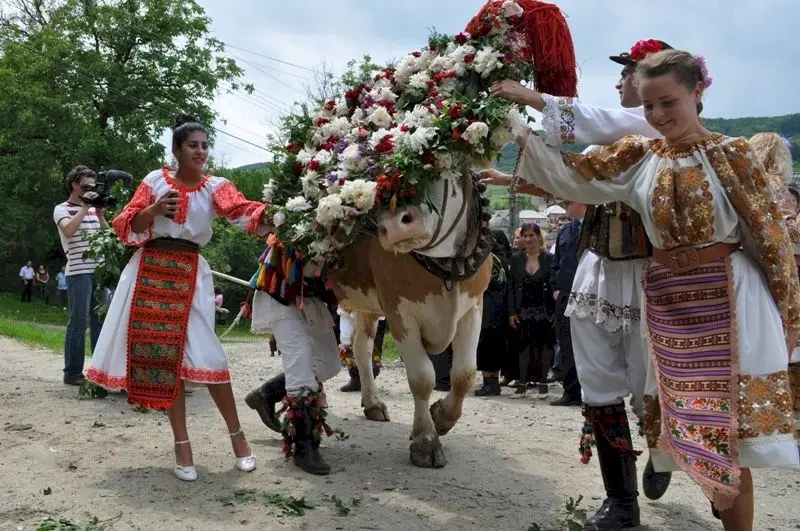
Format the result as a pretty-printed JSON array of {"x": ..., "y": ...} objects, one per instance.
[{"x": 750, "y": 47}]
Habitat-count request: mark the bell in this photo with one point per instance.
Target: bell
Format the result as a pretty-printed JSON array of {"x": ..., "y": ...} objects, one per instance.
[
  {"x": 486, "y": 216},
  {"x": 485, "y": 202},
  {"x": 481, "y": 187}
]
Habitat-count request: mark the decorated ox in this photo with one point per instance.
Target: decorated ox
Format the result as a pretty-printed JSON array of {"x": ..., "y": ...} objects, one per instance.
[{"x": 426, "y": 272}]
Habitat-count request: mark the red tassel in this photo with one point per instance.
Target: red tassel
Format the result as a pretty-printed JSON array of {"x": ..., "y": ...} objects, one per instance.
[
  {"x": 548, "y": 40},
  {"x": 550, "y": 43}
]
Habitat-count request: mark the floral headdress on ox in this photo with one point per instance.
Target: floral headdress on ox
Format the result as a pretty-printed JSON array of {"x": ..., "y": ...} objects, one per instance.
[{"x": 394, "y": 131}]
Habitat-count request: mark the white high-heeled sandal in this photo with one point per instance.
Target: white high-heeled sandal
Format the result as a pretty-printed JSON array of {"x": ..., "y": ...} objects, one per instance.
[
  {"x": 184, "y": 473},
  {"x": 245, "y": 464}
]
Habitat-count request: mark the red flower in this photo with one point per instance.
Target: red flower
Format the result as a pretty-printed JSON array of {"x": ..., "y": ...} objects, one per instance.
[
  {"x": 388, "y": 183},
  {"x": 456, "y": 111},
  {"x": 330, "y": 105},
  {"x": 385, "y": 145},
  {"x": 320, "y": 122},
  {"x": 291, "y": 147},
  {"x": 469, "y": 58},
  {"x": 457, "y": 134},
  {"x": 461, "y": 38},
  {"x": 643, "y": 48},
  {"x": 432, "y": 93},
  {"x": 411, "y": 193},
  {"x": 428, "y": 157},
  {"x": 404, "y": 128},
  {"x": 313, "y": 165},
  {"x": 416, "y": 54},
  {"x": 297, "y": 169}
]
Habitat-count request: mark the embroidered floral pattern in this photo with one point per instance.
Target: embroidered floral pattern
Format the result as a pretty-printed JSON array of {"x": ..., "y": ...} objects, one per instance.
[
  {"x": 347, "y": 357},
  {"x": 683, "y": 207},
  {"x": 741, "y": 174},
  {"x": 609, "y": 162},
  {"x": 142, "y": 198},
  {"x": 611, "y": 316},
  {"x": 652, "y": 420},
  {"x": 231, "y": 204},
  {"x": 558, "y": 119},
  {"x": 765, "y": 405}
]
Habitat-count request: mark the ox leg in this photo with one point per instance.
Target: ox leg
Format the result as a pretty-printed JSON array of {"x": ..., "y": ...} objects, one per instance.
[
  {"x": 363, "y": 341},
  {"x": 426, "y": 450},
  {"x": 447, "y": 411}
]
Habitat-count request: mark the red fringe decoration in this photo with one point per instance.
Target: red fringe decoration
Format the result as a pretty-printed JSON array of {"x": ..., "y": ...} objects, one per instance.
[{"x": 549, "y": 44}]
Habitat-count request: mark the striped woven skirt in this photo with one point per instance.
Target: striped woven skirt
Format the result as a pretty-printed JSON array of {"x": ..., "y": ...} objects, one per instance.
[{"x": 707, "y": 409}]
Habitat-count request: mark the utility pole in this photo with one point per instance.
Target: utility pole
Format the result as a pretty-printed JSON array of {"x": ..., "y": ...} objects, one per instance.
[{"x": 513, "y": 213}]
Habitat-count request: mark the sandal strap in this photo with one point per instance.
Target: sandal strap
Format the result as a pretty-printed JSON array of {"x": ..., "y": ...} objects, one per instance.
[
  {"x": 183, "y": 442},
  {"x": 240, "y": 431}
]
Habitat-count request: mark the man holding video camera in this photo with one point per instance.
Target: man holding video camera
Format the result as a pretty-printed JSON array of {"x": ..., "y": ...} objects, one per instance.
[{"x": 78, "y": 217}]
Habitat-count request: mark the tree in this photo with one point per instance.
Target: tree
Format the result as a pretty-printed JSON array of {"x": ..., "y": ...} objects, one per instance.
[{"x": 93, "y": 82}]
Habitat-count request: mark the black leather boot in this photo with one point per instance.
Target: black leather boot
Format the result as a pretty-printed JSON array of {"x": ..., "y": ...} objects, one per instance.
[
  {"x": 655, "y": 484},
  {"x": 265, "y": 398},
  {"x": 302, "y": 434},
  {"x": 354, "y": 385},
  {"x": 612, "y": 437},
  {"x": 491, "y": 387}
]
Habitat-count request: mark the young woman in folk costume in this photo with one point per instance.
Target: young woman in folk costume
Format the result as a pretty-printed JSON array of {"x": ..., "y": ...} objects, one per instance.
[
  {"x": 721, "y": 320},
  {"x": 291, "y": 303},
  {"x": 347, "y": 325},
  {"x": 159, "y": 331},
  {"x": 774, "y": 154}
]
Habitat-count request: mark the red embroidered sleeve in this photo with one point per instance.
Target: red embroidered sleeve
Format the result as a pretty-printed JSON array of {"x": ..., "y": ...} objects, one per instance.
[
  {"x": 743, "y": 177},
  {"x": 231, "y": 204},
  {"x": 142, "y": 199}
]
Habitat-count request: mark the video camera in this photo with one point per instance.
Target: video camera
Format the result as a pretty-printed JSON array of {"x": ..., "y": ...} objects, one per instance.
[{"x": 104, "y": 181}]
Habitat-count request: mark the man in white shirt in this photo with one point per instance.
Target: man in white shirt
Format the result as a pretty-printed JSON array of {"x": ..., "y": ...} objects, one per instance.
[
  {"x": 27, "y": 274},
  {"x": 76, "y": 220}
]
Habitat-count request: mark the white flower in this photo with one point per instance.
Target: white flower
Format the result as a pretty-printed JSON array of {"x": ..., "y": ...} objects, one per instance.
[
  {"x": 358, "y": 115},
  {"x": 323, "y": 246},
  {"x": 269, "y": 192},
  {"x": 475, "y": 132},
  {"x": 381, "y": 117},
  {"x": 420, "y": 139},
  {"x": 512, "y": 9},
  {"x": 278, "y": 219},
  {"x": 419, "y": 80},
  {"x": 359, "y": 193},
  {"x": 350, "y": 158},
  {"x": 311, "y": 181},
  {"x": 301, "y": 228},
  {"x": 458, "y": 56},
  {"x": 304, "y": 156},
  {"x": 329, "y": 210},
  {"x": 442, "y": 63},
  {"x": 298, "y": 204},
  {"x": 486, "y": 61},
  {"x": 341, "y": 106},
  {"x": 516, "y": 122},
  {"x": 323, "y": 157},
  {"x": 500, "y": 137},
  {"x": 383, "y": 94}
]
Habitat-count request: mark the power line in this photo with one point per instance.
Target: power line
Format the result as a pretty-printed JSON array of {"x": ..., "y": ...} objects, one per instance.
[{"x": 269, "y": 57}]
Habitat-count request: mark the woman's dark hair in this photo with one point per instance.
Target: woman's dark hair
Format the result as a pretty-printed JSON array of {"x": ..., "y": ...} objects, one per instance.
[
  {"x": 185, "y": 124},
  {"x": 683, "y": 64},
  {"x": 217, "y": 290},
  {"x": 536, "y": 229},
  {"x": 500, "y": 245},
  {"x": 76, "y": 174}
]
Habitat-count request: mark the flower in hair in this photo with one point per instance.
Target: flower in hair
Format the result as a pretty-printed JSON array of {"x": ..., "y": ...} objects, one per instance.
[
  {"x": 644, "y": 48},
  {"x": 701, "y": 62}
]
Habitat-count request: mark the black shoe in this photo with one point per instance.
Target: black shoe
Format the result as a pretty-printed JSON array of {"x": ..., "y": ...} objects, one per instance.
[
  {"x": 567, "y": 400},
  {"x": 491, "y": 387},
  {"x": 715, "y": 512},
  {"x": 544, "y": 391},
  {"x": 75, "y": 380},
  {"x": 655, "y": 484},
  {"x": 265, "y": 398},
  {"x": 443, "y": 387},
  {"x": 306, "y": 442}
]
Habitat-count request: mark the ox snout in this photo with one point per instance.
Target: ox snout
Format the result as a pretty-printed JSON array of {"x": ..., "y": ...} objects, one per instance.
[{"x": 403, "y": 230}]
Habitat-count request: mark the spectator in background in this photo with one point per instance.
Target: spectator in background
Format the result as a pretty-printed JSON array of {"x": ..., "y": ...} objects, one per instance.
[
  {"x": 562, "y": 274},
  {"x": 42, "y": 279},
  {"x": 76, "y": 220},
  {"x": 218, "y": 297},
  {"x": 493, "y": 342},
  {"x": 61, "y": 285},
  {"x": 27, "y": 274}
]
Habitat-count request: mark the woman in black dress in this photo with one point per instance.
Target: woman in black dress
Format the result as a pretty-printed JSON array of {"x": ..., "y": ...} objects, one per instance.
[
  {"x": 493, "y": 342},
  {"x": 531, "y": 308}
]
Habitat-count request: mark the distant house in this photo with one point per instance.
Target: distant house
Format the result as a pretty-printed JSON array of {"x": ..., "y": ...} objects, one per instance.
[
  {"x": 532, "y": 216},
  {"x": 554, "y": 214}
]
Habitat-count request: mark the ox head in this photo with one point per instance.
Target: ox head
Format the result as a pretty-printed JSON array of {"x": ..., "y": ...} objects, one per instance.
[{"x": 435, "y": 228}]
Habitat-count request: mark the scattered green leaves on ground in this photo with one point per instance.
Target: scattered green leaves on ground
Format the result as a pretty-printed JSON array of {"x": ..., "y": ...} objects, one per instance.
[
  {"x": 573, "y": 520},
  {"x": 285, "y": 505},
  {"x": 63, "y": 524},
  {"x": 239, "y": 497}
]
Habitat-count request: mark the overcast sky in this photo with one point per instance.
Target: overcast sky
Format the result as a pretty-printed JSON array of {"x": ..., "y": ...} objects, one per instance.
[{"x": 751, "y": 49}]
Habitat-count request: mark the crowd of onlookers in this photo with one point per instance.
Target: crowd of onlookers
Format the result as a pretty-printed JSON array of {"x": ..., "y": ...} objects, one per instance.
[{"x": 38, "y": 281}]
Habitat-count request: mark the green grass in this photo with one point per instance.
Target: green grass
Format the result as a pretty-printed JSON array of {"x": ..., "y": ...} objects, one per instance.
[{"x": 42, "y": 325}]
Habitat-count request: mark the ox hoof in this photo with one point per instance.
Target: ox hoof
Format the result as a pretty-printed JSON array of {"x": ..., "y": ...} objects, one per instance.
[
  {"x": 428, "y": 453},
  {"x": 439, "y": 421},
  {"x": 377, "y": 412}
]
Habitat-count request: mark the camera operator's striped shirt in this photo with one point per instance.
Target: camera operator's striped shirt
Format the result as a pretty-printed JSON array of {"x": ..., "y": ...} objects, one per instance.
[{"x": 75, "y": 246}]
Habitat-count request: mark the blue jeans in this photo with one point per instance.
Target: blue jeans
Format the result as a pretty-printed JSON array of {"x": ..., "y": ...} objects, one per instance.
[{"x": 80, "y": 304}]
